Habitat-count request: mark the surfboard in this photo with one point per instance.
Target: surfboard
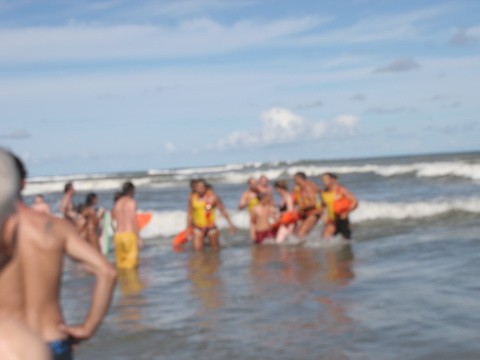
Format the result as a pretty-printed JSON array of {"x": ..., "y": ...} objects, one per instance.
[
  {"x": 143, "y": 219},
  {"x": 107, "y": 233}
]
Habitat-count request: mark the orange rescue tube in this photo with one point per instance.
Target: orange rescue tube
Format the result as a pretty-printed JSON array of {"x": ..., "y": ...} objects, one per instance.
[
  {"x": 341, "y": 205},
  {"x": 289, "y": 217},
  {"x": 143, "y": 219},
  {"x": 181, "y": 238}
]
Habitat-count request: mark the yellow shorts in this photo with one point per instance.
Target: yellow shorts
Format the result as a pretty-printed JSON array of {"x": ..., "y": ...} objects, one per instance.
[{"x": 126, "y": 250}]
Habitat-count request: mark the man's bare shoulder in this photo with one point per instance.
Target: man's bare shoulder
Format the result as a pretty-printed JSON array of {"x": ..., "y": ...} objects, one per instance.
[{"x": 45, "y": 225}]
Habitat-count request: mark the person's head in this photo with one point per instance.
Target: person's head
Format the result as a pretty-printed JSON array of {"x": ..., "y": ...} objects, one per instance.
[
  {"x": 300, "y": 178},
  {"x": 91, "y": 199},
  {"x": 10, "y": 183},
  {"x": 281, "y": 185},
  {"x": 193, "y": 182},
  {"x": 128, "y": 188},
  {"x": 201, "y": 187},
  {"x": 39, "y": 198},
  {"x": 263, "y": 180},
  {"x": 329, "y": 179},
  {"x": 9, "y": 191},
  {"x": 252, "y": 184},
  {"x": 68, "y": 188}
]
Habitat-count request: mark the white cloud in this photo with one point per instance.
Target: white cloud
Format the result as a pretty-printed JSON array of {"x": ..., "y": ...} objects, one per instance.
[
  {"x": 169, "y": 147},
  {"x": 347, "y": 122},
  {"x": 282, "y": 126}
]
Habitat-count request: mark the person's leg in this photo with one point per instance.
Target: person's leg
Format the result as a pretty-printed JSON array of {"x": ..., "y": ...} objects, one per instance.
[
  {"x": 328, "y": 230},
  {"x": 198, "y": 238},
  {"x": 307, "y": 226},
  {"x": 283, "y": 232},
  {"x": 214, "y": 237}
]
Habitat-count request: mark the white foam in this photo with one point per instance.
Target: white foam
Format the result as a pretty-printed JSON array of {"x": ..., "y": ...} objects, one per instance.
[
  {"x": 411, "y": 210},
  {"x": 95, "y": 183}
]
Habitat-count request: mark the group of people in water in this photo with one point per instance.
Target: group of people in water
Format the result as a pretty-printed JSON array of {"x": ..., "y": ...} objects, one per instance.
[
  {"x": 33, "y": 243},
  {"x": 296, "y": 215}
]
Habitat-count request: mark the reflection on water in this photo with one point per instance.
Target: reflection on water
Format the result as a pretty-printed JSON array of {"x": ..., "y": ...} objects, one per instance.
[
  {"x": 296, "y": 288},
  {"x": 131, "y": 302},
  {"x": 207, "y": 286}
]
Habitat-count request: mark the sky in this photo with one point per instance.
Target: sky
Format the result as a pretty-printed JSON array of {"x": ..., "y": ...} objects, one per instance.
[{"x": 117, "y": 85}]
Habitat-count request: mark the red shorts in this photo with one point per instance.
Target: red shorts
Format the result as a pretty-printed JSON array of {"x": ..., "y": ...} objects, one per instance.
[{"x": 260, "y": 236}]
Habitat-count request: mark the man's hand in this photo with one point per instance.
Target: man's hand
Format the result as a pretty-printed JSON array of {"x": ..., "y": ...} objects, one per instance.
[{"x": 77, "y": 333}]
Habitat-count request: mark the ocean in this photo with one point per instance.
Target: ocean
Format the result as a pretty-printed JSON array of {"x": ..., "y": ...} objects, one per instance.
[{"x": 406, "y": 286}]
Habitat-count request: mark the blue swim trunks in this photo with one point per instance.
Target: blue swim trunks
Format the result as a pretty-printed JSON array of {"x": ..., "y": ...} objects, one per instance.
[{"x": 61, "y": 349}]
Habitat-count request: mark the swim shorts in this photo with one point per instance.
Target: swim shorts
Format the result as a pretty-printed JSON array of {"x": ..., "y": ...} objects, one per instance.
[
  {"x": 342, "y": 227},
  {"x": 61, "y": 349},
  {"x": 126, "y": 250},
  {"x": 260, "y": 236}
]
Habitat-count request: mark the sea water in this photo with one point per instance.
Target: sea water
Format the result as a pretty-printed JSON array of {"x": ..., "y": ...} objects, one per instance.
[{"x": 406, "y": 287}]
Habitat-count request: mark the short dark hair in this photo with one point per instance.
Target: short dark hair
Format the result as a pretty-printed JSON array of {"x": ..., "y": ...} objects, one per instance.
[
  {"x": 67, "y": 187},
  {"x": 281, "y": 184},
  {"x": 90, "y": 197},
  {"x": 301, "y": 174},
  {"x": 128, "y": 188},
  {"x": 332, "y": 175}
]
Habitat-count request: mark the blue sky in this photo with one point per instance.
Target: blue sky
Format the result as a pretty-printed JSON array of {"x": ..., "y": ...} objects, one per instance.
[{"x": 116, "y": 85}]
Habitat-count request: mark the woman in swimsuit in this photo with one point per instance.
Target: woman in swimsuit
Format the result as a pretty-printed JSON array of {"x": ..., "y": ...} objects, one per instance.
[{"x": 201, "y": 215}]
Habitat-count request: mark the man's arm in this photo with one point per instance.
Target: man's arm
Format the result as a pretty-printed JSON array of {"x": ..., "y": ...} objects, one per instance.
[
  {"x": 243, "y": 201},
  {"x": 105, "y": 275}
]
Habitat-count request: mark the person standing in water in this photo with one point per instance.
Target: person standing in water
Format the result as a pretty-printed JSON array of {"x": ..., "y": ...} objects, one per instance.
[
  {"x": 92, "y": 220},
  {"x": 308, "y": 204},
  {"x": 127, "y": 234},
  {"x": 201, "y": 215},
  {"x": 248, "y": 200},
  {"x": 67, "y": 208},
  {"x": 40, "y": 204},
  {"x": 286, "y": 205},
  {"x": 263, "y": 217},
  {"x": 339, "y": 202},
  {"x": 30, "y": 281}
]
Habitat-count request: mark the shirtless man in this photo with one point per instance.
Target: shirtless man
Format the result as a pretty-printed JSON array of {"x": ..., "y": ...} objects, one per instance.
[
  {"x": 30, "y": 281},
  {"x": 127, "y": 236},
  {"x": 263, "y": 216},
  {"x": 66, "y": 205},
  {"x": 40, "y": 205},
  {"x": 249, "y": 199},
  {"x": 309, "y": 207}
]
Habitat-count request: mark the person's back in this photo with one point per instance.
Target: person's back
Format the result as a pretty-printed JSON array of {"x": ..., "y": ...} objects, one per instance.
[
  {"x": 30, "y": 282},
  {"x": 124, "y": 213},
  {"x": 126, "y": 238}
]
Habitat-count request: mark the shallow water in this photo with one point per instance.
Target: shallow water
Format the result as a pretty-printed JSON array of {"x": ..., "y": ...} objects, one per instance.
[
  {"x": 405, "y": 288},
  {"x": 410, "y": 295}
]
